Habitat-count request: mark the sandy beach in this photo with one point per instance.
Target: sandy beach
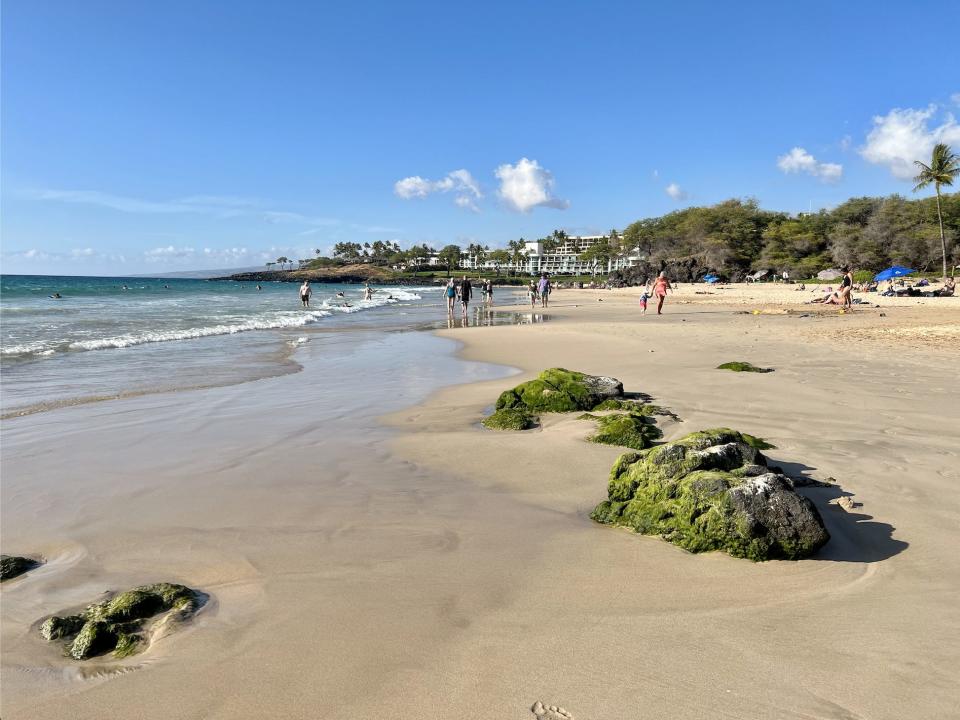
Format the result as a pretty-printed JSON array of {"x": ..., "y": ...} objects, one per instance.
[{"x": 371, "y": 551}]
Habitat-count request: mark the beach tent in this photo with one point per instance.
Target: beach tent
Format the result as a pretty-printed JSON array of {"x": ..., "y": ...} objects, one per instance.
[
  {"x": 831, "y": 274},
  {"x": 757, "y": 275},
  {"x": 892, "y": 272},
  {"x": 711, "y": 278}
]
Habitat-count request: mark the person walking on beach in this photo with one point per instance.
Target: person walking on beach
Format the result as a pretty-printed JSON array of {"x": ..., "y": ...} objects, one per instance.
[
  {"x": 489, "y": 292},
  {"x": 532, "y": 291},
  {"x": 450, "y": 293},
  {"x": 660, "y": 287},
  {"x": 305, "y": 293},
  {"x": 543, "y": 289},
  {"x": 644, "y": 296},
  {"x": 846, "y": 288},
  {"x": 466, "y": 292}
]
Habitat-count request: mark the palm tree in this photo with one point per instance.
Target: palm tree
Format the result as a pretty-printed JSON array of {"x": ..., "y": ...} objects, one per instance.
[{"x": 943, "y": 168}]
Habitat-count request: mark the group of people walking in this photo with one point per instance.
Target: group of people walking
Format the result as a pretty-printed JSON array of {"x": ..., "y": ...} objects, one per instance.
[
  {"x": 462, "y": 291},
  {"x": 540, "y": 290}
]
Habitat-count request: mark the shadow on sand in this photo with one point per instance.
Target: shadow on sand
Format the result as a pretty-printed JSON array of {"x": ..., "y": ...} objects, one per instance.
[{"x": 854, "y": 536}]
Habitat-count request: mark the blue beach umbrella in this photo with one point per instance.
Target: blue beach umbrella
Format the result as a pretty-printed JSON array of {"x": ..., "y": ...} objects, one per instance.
[
  {"x": 710, "y": 278},
  {"x": 892, "y": 272}
]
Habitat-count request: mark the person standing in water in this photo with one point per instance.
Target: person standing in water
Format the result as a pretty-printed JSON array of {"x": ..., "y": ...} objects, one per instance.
[
  {"x": 466, "y": 293},
  {"x": 489, "y": 289},
  {"x": 367, "y": 292},
  {"x": 450, "y": 293},
  {"x": 660, "y": 287},
  {"x": 305, "y": 293}
]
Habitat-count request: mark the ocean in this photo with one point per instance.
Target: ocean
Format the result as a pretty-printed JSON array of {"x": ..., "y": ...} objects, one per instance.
[{"x": 107, "y": 337}]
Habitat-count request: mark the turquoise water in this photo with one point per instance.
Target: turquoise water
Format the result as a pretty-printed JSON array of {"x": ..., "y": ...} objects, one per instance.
[
  {"x": 110, "y": 336},
  {"x": 107, "y": 337}
]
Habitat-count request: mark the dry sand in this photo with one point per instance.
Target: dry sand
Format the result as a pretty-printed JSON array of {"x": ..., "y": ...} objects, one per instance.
[{"x": 440, "y": 570}]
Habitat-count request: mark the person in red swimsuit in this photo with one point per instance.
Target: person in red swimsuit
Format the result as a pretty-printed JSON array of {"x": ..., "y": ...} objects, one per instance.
[{"x": 660, "y": 287}]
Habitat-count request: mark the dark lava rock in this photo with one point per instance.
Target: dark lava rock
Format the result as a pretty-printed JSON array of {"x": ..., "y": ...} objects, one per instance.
[
  {"x": 13, "y": 565},
  {"x": 559, "y": 390},
  {"x": 739, "y": 366},
  {"x": 116, "y": 625},
  {"x": 712, "y": 490}
]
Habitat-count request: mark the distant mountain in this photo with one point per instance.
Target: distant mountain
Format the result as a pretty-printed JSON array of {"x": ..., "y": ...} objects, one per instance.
[{"x": 199, "y": 274}]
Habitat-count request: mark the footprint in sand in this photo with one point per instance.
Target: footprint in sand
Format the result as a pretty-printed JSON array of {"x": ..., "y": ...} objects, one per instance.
[{"x": 549, "y": 712}]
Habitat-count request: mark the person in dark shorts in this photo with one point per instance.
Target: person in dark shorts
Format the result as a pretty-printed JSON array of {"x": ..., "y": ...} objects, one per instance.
[
  {"x": 305, "y": 292},
  {"x": 466, "y": 293}
]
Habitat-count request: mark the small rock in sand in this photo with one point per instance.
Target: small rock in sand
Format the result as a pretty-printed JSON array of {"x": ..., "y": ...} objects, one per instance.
[{"x": 848, "y": 503}]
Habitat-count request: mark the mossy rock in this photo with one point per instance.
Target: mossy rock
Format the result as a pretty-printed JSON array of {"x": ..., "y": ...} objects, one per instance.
[
  {"x": 743, "y": 367},
  {"x": 12, "y": 566},
  {"x": 631, "y": 430},
  {"x": 116, "y": 625},
  {"x": 711, "y": 490},
  {"x": 511, "y": 419},
  {"x": 559, "y": 390}
]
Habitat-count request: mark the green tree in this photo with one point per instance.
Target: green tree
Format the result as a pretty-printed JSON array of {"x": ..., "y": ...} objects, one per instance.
[
  {"x": 450, "y": 257},
  {"x": 943, "y": 168},
  {"x": 347, "y": 251},
  {"x": 499, "y": 257},
  {"x": 282, "y": 262},
  {"x": 597, "y": 255}
]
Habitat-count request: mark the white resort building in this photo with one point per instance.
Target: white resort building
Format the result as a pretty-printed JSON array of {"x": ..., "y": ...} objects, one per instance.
[{"x": 563, "y": 260}]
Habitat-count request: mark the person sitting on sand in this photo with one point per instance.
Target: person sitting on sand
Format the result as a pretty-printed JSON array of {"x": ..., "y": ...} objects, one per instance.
[
  {"x": 305, "y": 292},
  {"x": 660, "y": 287}
]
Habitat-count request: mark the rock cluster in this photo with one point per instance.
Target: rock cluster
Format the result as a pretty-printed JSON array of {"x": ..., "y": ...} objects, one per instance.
[
  {"x": 712, "y": 490},
  {"x": 116, "y": 625}
]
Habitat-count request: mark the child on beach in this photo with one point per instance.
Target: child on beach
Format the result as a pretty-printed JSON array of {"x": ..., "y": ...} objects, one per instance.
[{"x": 644, "y": 296}]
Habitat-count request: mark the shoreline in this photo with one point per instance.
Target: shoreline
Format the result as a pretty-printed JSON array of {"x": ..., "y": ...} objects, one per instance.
[{"x": 403, "y": 560}]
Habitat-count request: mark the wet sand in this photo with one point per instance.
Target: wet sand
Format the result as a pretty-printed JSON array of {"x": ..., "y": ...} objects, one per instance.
[{"x": 433, "y": 569}]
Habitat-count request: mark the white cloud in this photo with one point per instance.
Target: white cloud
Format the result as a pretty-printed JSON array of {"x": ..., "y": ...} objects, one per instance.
[
  {"x": 676, "y": 192},
  {"x": 799, "y": 160},
  {"x": 82, "y": 252},
  {"x": 168, "y": 252},
  {"x": 955, "y": 98},
  {"x": 461, "y": 182},
  {"x": 845, "y": 142},
  {"x": 902, "y": 136},
  {"x": 526, "y": 185}
]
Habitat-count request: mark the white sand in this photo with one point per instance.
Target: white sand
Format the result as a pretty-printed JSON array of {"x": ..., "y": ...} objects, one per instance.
[{"x": 454, "y": 572}]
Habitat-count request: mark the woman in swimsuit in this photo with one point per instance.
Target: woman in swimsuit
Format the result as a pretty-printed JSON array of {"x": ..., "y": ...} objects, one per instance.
[
  {"x": 450, "y": 292},
  {"x": 660, "y": 287},
  {"x": 846, "y": 288}
]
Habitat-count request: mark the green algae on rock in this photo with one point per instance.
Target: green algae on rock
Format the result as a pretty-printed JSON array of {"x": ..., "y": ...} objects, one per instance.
[
  {"x": 739, "y": 366},
  {"x": 511, "y": 419},
  {"x": 12, "y": 566},
  {"x": 632, "y": 430},
  {"x": 117, "y": 625},
  {"x": 711, "y": 490},
  {"x": 558, "y": 390}
]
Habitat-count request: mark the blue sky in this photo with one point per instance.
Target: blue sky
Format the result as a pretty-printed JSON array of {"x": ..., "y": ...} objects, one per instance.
[{"x": 149, "y": 136}]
